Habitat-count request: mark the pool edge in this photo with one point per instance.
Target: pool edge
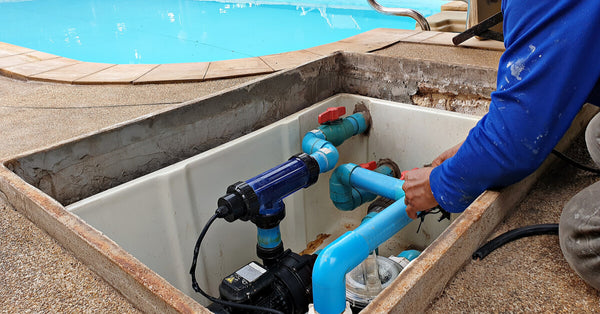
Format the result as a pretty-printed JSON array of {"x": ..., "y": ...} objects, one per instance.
[{"x": 31, "y": 65}]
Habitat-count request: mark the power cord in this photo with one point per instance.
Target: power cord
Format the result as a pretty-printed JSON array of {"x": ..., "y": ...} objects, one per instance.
[
  {"x": 575, "y": 163},
  {"x": 512, "y": 235},
  {"x": 219, "y": 213}
]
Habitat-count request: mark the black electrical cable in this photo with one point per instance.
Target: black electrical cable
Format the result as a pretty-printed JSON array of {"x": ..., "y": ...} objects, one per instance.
[
  {"x": 575, "y": 163},
  {"x": 512, "y": 235},
  {"x": 221, "y": 212}
]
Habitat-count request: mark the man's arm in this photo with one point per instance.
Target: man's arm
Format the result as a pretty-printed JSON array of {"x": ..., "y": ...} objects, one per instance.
[{"x": 549, "y": 68}]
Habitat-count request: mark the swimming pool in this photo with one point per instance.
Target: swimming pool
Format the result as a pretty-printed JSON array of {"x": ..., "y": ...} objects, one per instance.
[{"x": 169, "y": 31}]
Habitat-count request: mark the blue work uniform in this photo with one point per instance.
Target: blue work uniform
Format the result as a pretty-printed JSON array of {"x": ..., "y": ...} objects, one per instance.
[{"x": 550, "y": 69}]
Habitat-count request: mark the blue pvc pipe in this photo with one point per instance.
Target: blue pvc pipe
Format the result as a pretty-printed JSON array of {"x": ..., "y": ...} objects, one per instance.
[
  {"x": 338, "y": 131},
  {"x": 321, "y": 150},
  {"x": 374, "y": 182},
  {"x": 320, "y": 143},
  {"x": 269, "y": 238},
  {"x": 410, "y": 254},
  {"x": 350, "y": 186},
  {"x": 346, "y": 197},
  {"x": 349, "y": 250}
]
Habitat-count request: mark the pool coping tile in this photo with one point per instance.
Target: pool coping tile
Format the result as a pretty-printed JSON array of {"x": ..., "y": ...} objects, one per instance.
[
  {"x": 237, "y": 67},
  {"x": 118, "y": 74},
  {"x": 18, "y": 59},
  {"x": 286, "y": 60},
  {"x": 70, "y": 73},
  {"x": 175, "y": 72},
  {"x": 441, "y": 39},
  {"x": 326, "y": 49},
  {"x": 28, "y": 70},
  {"x": 421, "y": 36},
  {"x": 455, "y": 6},
  {"x": 7, "y": 49}
]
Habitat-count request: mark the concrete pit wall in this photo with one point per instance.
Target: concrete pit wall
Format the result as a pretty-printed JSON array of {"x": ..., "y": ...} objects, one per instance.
[
  {"x": 94, "y": 163},
  {"x": 40, "y": 184}
]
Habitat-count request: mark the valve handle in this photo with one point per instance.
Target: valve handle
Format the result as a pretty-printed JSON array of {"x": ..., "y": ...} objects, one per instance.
[
  {"x": 331, "y": 114},
  {"x": 371, "y": 165}
]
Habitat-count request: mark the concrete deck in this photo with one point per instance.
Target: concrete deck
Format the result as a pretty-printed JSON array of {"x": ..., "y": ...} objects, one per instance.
[{"x": 37, "y": 274}]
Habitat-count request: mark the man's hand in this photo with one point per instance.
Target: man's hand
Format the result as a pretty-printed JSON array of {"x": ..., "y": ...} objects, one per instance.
[{"x": 418, "y": 191}]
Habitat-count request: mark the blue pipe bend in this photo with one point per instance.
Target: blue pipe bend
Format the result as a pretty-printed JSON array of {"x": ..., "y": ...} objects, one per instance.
[
  {"x": 350, "y": 186},
  {"x": 320, "y": 143},
  {"x": 346, "y": 197},
  {"x": 349, "y": 250}
]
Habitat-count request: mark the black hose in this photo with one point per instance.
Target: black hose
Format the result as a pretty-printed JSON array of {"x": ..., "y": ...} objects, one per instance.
[
  {"x": 221, "y": 212},
  {"x": 512, "y": 235},
  {"x": 575, "y": 163}
]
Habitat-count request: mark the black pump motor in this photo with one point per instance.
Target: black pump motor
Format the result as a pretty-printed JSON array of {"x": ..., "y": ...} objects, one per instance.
[{"x": 285, "y": 285}]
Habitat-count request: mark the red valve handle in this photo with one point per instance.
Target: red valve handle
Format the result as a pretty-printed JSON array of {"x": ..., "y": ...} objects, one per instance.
[
  {"x": 371, "y": 165},
  {"x": 331, "y": 114}
]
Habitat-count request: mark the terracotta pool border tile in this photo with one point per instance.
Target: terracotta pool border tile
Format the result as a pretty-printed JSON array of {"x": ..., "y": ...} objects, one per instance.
[
  {"x": 289, "y": 59},
  {"x": 118, "y": 74},
  {"x": 14, "y": 59},
  {"x": 421, "y": 36},
  {"x": 237, "y": 67},
  {"x": 71, "y": 73},
  {"x": 440, "y": 39},
  {"x": 175, "y": 73},
  {"x": 28, "y": 70},
  {"x": 7, "y": 49},
  {"x": 23, "y": 58},
  {"x": 379, "y": 38}
]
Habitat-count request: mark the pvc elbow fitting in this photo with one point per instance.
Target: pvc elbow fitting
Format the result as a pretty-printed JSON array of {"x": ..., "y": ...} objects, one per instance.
[
  {"x": 321, "y": 150},
  {"x": 345, "y": 253}
]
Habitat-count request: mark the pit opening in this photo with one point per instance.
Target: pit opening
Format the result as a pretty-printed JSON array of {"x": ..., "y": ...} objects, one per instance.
[
  {"x": 42, "y": 184},
  {"x": 158, "y": 217}
]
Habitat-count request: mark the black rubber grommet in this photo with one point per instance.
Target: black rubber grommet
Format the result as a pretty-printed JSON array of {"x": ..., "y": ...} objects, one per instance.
[
  {"x": 269, "y": 221},
  {"x": 312, "y": 165},
  {"x": 248, "y": 195}
]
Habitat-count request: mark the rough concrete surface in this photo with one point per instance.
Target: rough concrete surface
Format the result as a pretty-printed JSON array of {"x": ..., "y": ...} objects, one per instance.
[
  {"x": 449, "y": 54},
  {"x": 34, "y": 115}
]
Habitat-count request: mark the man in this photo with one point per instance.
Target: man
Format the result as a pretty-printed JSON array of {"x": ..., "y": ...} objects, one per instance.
[{"x": 550, "y": 68}]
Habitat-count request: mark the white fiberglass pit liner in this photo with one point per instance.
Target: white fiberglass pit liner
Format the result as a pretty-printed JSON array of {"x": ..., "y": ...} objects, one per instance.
[{"x": 158, "y": 217}]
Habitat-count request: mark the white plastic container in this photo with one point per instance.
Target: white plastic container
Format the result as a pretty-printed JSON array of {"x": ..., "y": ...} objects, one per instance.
[{"x": 158, "y": 217}]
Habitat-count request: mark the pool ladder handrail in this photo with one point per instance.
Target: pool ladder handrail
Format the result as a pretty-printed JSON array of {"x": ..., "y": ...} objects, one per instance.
[{"x": 401, "y": 12}]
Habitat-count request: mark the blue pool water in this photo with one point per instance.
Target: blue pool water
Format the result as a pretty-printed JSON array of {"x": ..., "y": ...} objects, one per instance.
[{"x": 174, "y": 31}]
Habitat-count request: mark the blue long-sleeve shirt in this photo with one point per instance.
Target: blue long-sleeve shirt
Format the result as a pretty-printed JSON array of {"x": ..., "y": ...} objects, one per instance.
[{"x": 551, "y": 66}]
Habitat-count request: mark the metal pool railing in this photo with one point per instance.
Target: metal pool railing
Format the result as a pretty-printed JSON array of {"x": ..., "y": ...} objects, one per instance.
[{"x": 401, "y": 12}]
